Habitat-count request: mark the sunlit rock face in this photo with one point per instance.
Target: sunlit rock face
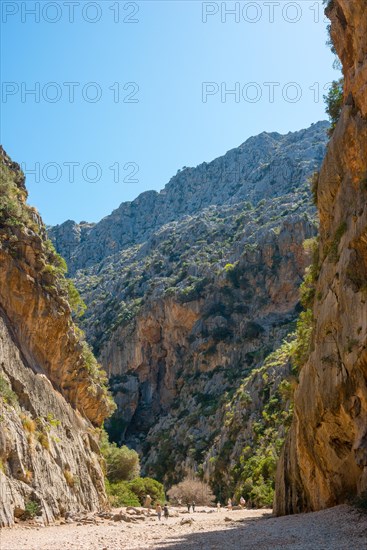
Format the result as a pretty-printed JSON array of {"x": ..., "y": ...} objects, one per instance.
[
  {"x": 325, "y": 459},
  {"x": 49, "y": 404}
]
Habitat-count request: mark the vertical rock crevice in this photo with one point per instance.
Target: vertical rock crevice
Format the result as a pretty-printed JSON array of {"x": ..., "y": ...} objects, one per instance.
[{"x": 324, "y": 461}]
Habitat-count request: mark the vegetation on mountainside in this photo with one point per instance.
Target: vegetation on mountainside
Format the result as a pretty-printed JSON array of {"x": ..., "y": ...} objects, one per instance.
[
  {"x": 6, "y": 393},
  {"x": 254, "y": 414},
  {"x": 335, "y": 97},
  {"x": 253, "y": 474},
  {"x": 123, "y": 484},
  {"x": 334, "y": 103},
  {"x": 305, "y": 322},
  {"x": 217, "y": 258},
  {"x": 18, "y": 219},
  {"x": 182, "y": 264}
]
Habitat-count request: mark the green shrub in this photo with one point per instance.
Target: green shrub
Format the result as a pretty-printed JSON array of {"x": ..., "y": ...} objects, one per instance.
[
  {"x": 122, "y": 462},
  {"x": 32, "y": 509},
  {"x": 334, "y": 103},
  {"x": 142, "y": 486},
  {"x": 7, "y": 393},
  {"x": 233, "y": 274},
  {"x": 77, "y": 304},
  {"x": 120, "y": 495},
  {"x": 302, "y": 345}
]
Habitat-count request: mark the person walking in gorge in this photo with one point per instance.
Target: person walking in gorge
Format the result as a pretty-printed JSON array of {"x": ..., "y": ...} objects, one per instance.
[
  {"x": 158, "y": 509},
  {"x": 148, "y": 502}
]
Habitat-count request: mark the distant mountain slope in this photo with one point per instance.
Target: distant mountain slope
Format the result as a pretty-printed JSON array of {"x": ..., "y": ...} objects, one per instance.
[
  {"x": 265, "y": 166},
  {"x": 201, "y": 287}
]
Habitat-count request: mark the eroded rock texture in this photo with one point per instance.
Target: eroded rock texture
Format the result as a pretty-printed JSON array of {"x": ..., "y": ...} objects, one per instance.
[
  {"x": 325, "y": 458},
  {"x": 50, "y": 397}
]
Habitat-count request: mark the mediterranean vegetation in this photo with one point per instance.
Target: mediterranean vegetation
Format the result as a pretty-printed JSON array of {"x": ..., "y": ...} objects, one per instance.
[{"x": 123, "y": 484}]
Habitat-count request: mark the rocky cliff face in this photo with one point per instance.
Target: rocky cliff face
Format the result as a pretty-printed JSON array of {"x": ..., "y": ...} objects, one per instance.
[
  {"x": 51, "y": 391},
  {"x": 201, "y": 286},
  {"x": 325, "y": 457},
  {"x": 265, "y": 166}
]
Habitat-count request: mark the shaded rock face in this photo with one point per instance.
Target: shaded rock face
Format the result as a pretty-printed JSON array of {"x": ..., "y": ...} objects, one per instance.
[
  {"x": 49, "y": 402},
  {"x": 325, "y": 457},
  {"x": 188, "y": 291}
]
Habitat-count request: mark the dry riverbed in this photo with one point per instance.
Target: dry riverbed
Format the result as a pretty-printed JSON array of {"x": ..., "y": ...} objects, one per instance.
[{"x": 339, "y": 528}]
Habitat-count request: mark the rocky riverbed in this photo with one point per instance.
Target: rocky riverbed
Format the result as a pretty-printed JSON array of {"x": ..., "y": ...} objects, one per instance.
[{"x": 339, "y": 528}]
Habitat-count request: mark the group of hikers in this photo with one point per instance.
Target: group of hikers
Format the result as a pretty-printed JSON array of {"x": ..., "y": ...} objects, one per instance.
[
  {"x": 190, "y": 505},
  {"x": 230, "y": 503}
]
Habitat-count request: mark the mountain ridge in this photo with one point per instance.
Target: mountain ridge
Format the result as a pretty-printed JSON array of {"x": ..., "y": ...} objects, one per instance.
[{"x": 228, "y": 179}]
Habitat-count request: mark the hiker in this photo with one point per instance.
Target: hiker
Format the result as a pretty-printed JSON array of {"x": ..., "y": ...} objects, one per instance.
[
  {"x": 242, "y": 502},
  {"x": 165, "y": 511},
  {"x": 148, "y": 502},
  {"x": 218, "y": 506},
  {"x": 188, "y": 507},
  {"x": 193, "y": 506},
  {"x": 229, "y": 504},
  {"x": 158, "y": 509}
]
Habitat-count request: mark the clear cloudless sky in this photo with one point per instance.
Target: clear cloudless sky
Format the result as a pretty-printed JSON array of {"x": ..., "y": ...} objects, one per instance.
[{"x": 168, "y": 53}]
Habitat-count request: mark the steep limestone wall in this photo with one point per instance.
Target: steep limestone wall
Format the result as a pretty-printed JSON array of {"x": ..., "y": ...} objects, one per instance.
[
  {"x": 48, "y": 452},
  {"x": 52, "y": 395},
  {"x": 325, "y": 458}
]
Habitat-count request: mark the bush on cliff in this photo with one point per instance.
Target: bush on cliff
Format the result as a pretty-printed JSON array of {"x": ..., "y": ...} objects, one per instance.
[{"x": 334, "y": 102}]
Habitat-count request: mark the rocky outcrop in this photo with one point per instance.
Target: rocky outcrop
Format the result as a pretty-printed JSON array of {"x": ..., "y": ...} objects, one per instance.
[
  {"x": 325, "y": 458},
  {"x": 189, "y": 290},
  {"x": 183, "y": 350},
  {"x": 51, "y": 391},
  {"x": 49, "y": 454},
  {"x": 265, "y": 166}
]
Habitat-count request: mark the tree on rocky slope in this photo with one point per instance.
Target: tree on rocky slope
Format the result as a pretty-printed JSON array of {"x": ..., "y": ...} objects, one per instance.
[
  {"x": 334, "y": 102},
  {"x": 192, "y": 490}
]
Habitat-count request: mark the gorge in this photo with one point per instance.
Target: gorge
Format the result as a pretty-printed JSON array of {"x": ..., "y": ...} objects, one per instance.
[
  {"x": 225, "y": 331},
  {"x": 188, "y": 292}
]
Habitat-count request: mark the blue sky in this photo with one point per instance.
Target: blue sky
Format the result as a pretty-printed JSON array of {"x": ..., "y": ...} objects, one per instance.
[{"x": 137, "y": 71}]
